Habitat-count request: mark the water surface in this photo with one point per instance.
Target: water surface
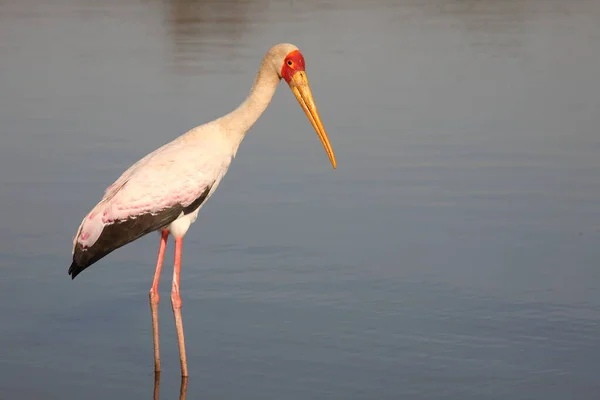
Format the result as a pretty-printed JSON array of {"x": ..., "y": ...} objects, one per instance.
[{"x": 453, "y": 254}]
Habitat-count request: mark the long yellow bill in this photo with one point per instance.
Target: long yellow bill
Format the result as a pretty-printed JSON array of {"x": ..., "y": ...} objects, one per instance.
[{"x": 301, "y": 89}]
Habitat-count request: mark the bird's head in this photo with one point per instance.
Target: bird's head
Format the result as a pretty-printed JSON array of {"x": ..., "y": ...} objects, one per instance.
[{"x": 288, "y": 62}]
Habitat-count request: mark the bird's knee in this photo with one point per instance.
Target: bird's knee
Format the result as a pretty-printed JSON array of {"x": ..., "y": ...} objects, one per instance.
[{"x": 154, "y": 296}]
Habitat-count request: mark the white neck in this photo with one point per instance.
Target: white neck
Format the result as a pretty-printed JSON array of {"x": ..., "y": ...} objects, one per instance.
[{"x": 240, "y": 120}]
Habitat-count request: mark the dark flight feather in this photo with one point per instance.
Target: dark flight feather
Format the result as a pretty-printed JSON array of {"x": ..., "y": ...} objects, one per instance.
[{"x": 126, "y": 231}]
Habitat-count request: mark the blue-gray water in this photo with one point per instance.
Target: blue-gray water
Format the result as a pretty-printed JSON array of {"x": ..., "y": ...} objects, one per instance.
[{"x": 454, "y": 253}]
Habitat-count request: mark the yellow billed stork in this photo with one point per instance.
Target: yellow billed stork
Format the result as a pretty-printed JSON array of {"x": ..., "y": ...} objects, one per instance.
[{"x": 165, "y": 190}]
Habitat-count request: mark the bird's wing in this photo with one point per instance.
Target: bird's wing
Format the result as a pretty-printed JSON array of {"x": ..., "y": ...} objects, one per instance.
[
  {"x": 167, "y": 185},
  {"x": 114, "y": 188}
]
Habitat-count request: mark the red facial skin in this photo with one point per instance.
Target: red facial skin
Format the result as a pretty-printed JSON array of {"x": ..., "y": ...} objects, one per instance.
[{"x": 294, "y": 62}]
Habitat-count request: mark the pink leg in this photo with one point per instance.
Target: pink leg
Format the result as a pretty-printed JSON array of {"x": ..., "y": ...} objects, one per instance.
[
  {"x": 155, "y": 298},
  {"x": 176, "y": 303}
]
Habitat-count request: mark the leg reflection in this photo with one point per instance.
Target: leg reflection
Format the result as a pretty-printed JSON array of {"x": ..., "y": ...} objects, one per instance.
[
  {"x": 156, "y": 385},
  {"x": 183, "y": 390}
]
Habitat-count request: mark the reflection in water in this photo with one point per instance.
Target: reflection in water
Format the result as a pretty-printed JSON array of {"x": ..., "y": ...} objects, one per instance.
[
  {"x": 182, "y": 387},
  {"x": 491, "y": 25},
  {"x": 203, "y": 29},
  {"x": 156, "y": 385}
]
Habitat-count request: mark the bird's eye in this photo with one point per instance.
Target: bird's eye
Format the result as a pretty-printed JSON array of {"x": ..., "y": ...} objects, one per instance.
[{"x": 290, "y": 63}]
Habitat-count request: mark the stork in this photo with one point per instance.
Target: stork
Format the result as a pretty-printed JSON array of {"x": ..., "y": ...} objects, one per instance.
[{"x": 165, "y": 190}]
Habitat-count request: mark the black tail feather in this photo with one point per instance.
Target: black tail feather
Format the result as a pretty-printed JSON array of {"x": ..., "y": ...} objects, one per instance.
[
  {"x": 119, "y": 234},
  {"x": 76, "y": 269},
  {"x": 122, "y": 232}
]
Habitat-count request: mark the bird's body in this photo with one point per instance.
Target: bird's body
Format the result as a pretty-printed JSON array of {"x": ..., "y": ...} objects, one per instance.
[{"x": 165, "y": 190}]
